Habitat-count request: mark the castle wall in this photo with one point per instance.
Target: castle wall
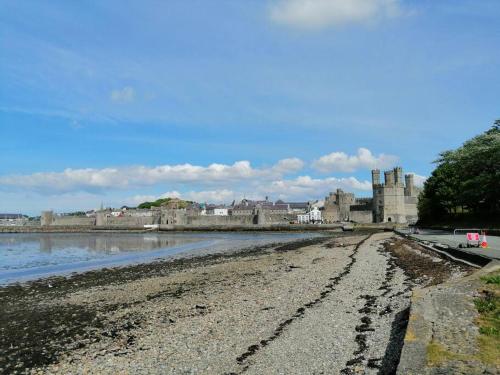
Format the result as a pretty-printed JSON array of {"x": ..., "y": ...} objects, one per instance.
[
  {"x": 73, "y": 221},
  {"x": 130, "y": 221},
  {"x": 279, "y": 218},
  {"x": 206, "y": 220},
  {"x": 361, "y": 216},
  {"x": 393, "y": 204},
  {"x": 263, "y": 218},
  {"x": 338, "y": 206},
  {"x": 331, "y": 213}
]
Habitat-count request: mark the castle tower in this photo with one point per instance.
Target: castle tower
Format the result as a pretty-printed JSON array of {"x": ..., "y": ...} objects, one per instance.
[
  {"x": 47, "y": 218},
  {"x": 375, "y": 177},
  {"x": 398, "y": 176},
  {"x": 409, "y": 185},
  {"x": 389, "y": 178}
]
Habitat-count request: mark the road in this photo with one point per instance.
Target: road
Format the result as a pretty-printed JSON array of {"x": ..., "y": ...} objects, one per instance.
[{"x": 447, "y": 238}]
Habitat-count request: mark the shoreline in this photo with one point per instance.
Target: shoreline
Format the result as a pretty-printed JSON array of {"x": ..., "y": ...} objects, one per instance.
[
  {"x": 339, "y": 227},
  {"x": 239, "y": 311}
]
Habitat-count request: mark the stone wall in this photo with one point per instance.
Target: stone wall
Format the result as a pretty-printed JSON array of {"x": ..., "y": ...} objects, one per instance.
[
  {"x": 219, "y": 220},
  {"x": 279, "y": 218},
  {"x": 130, "y": 221},
  {"x": 72, "y": 221},
  {"x": 364, "y": 216}
]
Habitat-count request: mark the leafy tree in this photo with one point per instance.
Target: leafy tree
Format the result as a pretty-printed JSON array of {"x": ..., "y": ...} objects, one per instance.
[
  {"x": 162, "y": 201},
  {"x": 465, "y": 180}
]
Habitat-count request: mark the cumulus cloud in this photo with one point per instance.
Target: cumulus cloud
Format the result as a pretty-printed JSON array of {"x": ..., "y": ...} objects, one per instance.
[
  {"x": 341, "y": 162},
  {"x": 90, "y": 179},
  {"x": 316, "y": 14},
  {"x": 212, "y": 196},
  {"x": 215, "y": 183},
  {"x": 290, "y": 165},
  {"x": 299, "y": 188},
  {"x": 418, "y": 180},
  {"x": 310, "y": 188},
  {"x": 124, "y": 95}
]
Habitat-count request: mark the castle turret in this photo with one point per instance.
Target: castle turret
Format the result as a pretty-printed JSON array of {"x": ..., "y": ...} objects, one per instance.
[
  {"x": 47, "y": 218},
  {"x": 375, "y": 177},
  {"x": 389, "y": 178},
  {"x": 409, "y": 185},
  {"x": 398, "y": 176}
]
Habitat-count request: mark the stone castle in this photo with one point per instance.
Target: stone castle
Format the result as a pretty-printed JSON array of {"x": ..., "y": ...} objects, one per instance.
[{"x": 395, "y": 200}]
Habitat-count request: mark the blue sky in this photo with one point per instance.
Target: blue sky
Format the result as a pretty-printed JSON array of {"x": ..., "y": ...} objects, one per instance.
[{"x": 121, "y": 101}]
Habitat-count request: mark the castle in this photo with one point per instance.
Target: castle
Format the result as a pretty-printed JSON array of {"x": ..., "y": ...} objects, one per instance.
[{"x": 394, "y": 200}]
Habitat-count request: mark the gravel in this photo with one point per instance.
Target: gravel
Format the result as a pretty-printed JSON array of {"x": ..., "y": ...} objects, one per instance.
[{"x": 328, "y": 306}]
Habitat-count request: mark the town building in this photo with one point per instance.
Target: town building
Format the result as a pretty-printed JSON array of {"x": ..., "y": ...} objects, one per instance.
[
  {"x": 12, "y": 219},
  {"x": 249, "y": 207},
  {"x": 295, "y": 207},
  {"x": 217, "y": 210},
  {"x": 313, "y": 216}
]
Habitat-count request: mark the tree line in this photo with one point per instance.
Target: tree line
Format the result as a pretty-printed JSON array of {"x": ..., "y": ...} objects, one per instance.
[{"x": 466, "y": 182}]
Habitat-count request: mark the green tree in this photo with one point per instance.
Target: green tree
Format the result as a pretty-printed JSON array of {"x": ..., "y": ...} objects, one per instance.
[{"x": 465, "y": 180}]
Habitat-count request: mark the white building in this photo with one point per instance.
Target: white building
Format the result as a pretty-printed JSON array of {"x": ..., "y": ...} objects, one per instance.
[
  {"x": 313, "y": 216},
  {"x": 217, "y": 210},
  {"x": 221, "y": 212}
]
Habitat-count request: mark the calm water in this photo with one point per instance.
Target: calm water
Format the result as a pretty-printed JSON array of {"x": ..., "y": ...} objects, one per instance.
[{"x": 27, "y": 256}]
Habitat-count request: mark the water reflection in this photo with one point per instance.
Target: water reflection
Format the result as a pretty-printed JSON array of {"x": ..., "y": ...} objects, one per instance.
[
  {"x": 26, "y": 256},
  {"x": 102, "y": 242}
]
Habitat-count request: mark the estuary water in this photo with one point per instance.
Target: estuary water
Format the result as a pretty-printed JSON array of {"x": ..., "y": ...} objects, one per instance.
[{"x": 28, "y": 256}]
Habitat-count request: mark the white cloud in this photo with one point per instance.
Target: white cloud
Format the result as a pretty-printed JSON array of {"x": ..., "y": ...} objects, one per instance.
[
  {"x": 418, "y": 180},
  {"x": 316, "y": 14},
  {"x": 212, "y": 196},
  {"x": 289, "y": 165},
  {"x": 341, "y": 162},
  {"x": 299, "y": 188},
  {"x": 306, "y": 187},
  {"x": 124, "y": 95},
  {"x": 215, "y": 183},
  {"x": 90, "y": 179}
]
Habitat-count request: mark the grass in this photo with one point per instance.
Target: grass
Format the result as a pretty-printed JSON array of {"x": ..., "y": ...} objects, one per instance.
[
  {"x": 488, "y": 307},
  {"x": 438, "y": 354},
  {"x": 488, "y": 321},
  {"x": 491, "y": 279},
  {"x": 486, "y": 304}
]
